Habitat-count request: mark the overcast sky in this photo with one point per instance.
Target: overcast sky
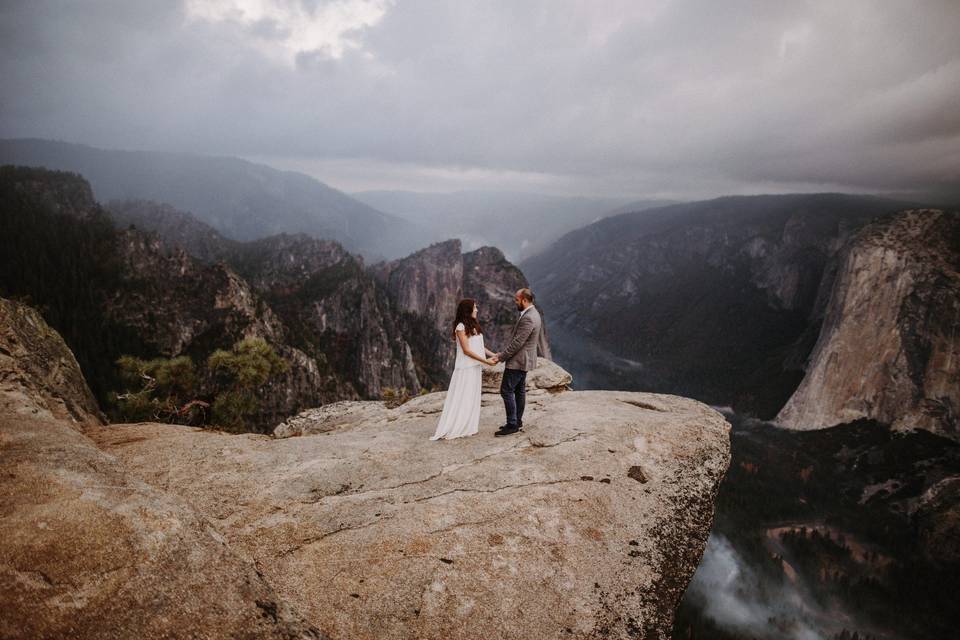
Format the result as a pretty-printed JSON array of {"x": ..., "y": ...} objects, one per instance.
[{"x": 649, "y": 99}]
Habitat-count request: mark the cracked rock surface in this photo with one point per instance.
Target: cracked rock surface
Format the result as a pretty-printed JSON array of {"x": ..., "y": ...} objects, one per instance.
[{"x": 588, "y": 524}]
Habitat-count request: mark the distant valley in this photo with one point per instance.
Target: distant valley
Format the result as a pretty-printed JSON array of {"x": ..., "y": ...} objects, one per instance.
[{"x": 722, "y": 300}]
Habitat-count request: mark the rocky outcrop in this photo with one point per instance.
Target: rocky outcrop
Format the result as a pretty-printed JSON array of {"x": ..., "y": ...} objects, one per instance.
[
  {"x": 492, "y": 280},
  {"x": 426, "y": 287},
  {"x": 40, "y": 377},
  {"x": 428, "y": 283},
  {"x": 889, "y": 346},
  {"x": 89, "y": 550},
  {"x": 178, "y": 305},
  {"x": 588, "y": 524},
  {"x": 548, "y": 375}
]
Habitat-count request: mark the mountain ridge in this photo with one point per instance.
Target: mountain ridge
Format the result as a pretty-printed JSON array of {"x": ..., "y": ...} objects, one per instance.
[{"x": 243, "y": 200}]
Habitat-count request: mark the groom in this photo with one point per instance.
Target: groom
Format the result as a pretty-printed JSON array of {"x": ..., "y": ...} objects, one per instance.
[{"x": 520, "y": 356}]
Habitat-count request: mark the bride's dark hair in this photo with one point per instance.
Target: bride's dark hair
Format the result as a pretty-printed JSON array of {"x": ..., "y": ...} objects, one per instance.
[{"x": 465, "y": 315}]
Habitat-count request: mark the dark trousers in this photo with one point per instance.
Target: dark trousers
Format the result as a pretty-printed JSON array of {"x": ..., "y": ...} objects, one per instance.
[{"x": 513, "y": 390}]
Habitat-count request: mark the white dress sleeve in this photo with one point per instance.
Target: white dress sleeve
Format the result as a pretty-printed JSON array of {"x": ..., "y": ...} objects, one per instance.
[{"x": 460, "y": 327}]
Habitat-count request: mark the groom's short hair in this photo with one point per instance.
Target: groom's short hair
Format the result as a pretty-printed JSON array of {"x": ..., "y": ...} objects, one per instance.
[{"x": 526, "y": 294}]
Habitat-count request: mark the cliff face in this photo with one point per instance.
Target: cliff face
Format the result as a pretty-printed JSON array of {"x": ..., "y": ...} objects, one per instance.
[
  {"x": 319, "y": 295},
  {"x": 590, "y": 524},
  {"x": 334, "y": 309},
  {"x": 492, "y": 280},
  {"x": 889, "y": 349},
  {"x": 428, "y": 283},
  {"x": 178, "y": 305},
  {"x": 426, "y": 287},
  {"x": 720, "y": 300},
  {"x": 40, "y": 375}
]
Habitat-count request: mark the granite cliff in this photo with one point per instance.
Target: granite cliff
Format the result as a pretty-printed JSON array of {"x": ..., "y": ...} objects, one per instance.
[
  {"x": 333, "y": 309},
  {"x": 889, "y": 349},
  {"x": 426, "y": 287},
  {"x": 40, "y": 374},
  {"x": 177, "y": 305},
  {"x": 320, "y": 296},
  {"x": 590, "y": 524}
]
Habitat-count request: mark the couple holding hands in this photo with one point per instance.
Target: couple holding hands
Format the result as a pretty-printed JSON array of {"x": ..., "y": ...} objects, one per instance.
[{"x": 461, "y": 407}]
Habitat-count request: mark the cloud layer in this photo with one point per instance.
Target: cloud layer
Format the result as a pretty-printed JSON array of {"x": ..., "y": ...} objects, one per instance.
[{"x": 655, "y": 98}]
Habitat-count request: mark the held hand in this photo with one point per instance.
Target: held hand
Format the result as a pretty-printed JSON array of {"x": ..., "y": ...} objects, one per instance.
[{"x": 492, "y": 361}]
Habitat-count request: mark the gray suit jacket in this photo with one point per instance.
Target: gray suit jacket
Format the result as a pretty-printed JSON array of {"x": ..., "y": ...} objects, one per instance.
[{"x": 521, "y": 353}]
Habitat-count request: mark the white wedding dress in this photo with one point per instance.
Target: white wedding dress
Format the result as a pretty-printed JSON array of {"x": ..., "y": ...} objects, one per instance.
[{"x": 461, "y": 407}]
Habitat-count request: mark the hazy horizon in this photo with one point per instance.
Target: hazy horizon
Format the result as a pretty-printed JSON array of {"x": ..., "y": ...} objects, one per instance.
[
  {"x": 680, "y": 100},
  {"x": 493, "y": 188}
]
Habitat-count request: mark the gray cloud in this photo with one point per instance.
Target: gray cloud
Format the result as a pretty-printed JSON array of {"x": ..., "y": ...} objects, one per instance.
[{"x": 659, "y": 98}]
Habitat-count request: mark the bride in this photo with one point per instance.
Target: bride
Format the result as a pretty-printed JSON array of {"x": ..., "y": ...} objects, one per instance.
[{"x": 461, "y": 407}]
